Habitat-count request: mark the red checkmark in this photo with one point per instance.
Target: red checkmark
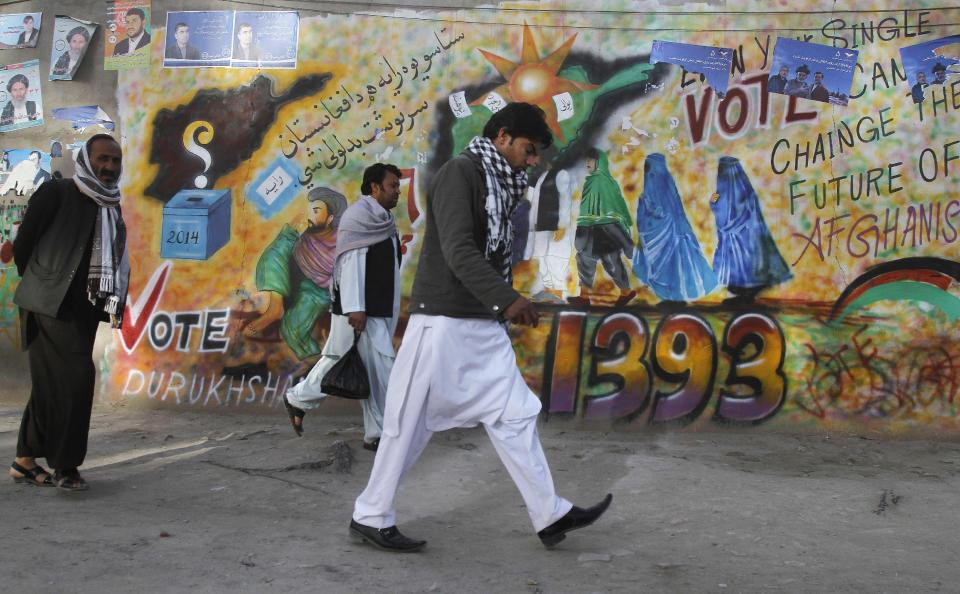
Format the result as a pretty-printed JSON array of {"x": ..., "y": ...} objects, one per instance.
[{"x": 136, "y": 316}]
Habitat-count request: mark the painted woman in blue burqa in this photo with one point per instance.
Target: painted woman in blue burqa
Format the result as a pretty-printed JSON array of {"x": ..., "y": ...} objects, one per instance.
[
  {"x": 747, "y": 259},
  {"x": 670, "y": 261}
]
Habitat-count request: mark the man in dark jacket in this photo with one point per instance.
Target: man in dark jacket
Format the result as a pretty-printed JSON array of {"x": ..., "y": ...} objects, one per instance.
[
  {"x": 71, "y": 254},
  {"x": 456, "y": 366},
  {"x": 819, "y": 92},
  {"x": 137, "y": 37},
  {"x": 777, "y": 82},
  {"x": 181, "y": 49},
  {"x": 30, "y": 34},
  {"x": 916, "y": 91}
]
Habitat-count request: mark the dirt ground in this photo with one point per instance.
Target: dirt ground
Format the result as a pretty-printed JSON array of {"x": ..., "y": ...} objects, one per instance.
[{"x": 183, "y": 501}]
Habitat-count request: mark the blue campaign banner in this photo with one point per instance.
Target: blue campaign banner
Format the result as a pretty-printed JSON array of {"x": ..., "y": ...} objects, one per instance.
[
  {"x": 265, "y": 39},
  {"x": 19, "y": 31},
  {"x": 930, "y": 63},
  {"x": 275, "y": 187},
  {"x": 819, "y": 72},
  {"x": 198, "y": 39},
  {"x": 712, "y": 62}
]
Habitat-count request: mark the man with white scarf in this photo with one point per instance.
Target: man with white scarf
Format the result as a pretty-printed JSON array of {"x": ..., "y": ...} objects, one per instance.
[
  {"x": 366, "y": 299},
  {"x": 71, "y": 254},
  {"x": 456, "y": 366}
]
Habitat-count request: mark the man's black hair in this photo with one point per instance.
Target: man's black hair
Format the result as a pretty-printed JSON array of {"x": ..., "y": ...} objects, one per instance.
[
  {"x": 137, "y": 11},
  {"x": 375, "y": 174},
  {"x": 97, "y": 137},
  {"x": 29, "y": 17},
  {"x": 178, "y": 25},
  {"x": 37, "y": 153},
  {"x": 520, "y": 120},
  {"x": 17, "y": 78},
  {"x": 593, "y": 153}
]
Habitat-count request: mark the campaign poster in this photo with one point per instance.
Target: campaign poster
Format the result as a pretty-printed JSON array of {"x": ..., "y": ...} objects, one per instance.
[
  {"x": 812, "y": 71},
  {"x": 930, "y": 63},
  {"x": 20, "y": 96},
  {"x": 265, "y": 39},
  {"x": 71, "y": 38},
  {"x": 198, "y": 38},
  {"x": 127, "y": 43},
  {"x": 18, "y": 31},
  {"x": 712, "y": 62},
  {"x": 23, "y": 170}
]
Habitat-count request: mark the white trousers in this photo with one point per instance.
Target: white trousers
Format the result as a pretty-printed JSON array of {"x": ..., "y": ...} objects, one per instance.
[
  {"x": 307, "y": 395},
  {"x": 553, "y": 258},
  {"x": 425, "y": 358}
]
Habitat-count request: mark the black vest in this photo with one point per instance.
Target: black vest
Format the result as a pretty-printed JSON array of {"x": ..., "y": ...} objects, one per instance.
[
  {"x": 548, "y": 203},
  {"x": 378, "y": 280}
]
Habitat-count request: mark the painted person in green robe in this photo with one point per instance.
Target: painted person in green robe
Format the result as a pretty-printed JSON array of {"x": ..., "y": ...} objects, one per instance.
[
  {"x": 295, "y": 270},
  {"x": 603, "y": 231}
]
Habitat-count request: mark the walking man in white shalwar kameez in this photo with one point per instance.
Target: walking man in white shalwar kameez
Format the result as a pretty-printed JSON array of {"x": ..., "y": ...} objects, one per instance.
[
  {"x": 365, "y": 291},
  {"x": 456, "y": 366}
]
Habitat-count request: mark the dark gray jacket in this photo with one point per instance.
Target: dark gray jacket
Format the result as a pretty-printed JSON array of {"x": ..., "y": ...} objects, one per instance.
[
  {"x": 51, "y": 244},
  {"x": 453, "y": 277}
]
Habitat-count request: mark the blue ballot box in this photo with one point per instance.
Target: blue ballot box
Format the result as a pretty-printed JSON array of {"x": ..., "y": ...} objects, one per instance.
[{"x": 196, "y": 223}]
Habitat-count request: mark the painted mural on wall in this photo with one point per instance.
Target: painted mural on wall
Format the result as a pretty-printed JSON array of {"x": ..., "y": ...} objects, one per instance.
[{"x": 756, "y": 258}]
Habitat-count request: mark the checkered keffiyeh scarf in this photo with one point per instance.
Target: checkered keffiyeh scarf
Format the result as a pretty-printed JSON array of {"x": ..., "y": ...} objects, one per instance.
[
  {"x": 505, "y": 189},
  {"x": 109, "y": 273}
]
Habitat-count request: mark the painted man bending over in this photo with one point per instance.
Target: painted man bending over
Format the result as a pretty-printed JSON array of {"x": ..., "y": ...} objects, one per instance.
[
  {"x": 366, "y": 299},
  {"x": 456, "y": 366},
  {"x": 72, "y": 257}
]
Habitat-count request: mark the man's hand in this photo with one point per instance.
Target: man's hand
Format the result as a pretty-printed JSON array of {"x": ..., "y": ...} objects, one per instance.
[
  {"x": 522, "y": 312},
  {"x": 358, "y": 320}
]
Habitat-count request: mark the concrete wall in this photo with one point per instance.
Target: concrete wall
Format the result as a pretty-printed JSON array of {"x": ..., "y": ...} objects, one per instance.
[{"x": 854, "y": 323}]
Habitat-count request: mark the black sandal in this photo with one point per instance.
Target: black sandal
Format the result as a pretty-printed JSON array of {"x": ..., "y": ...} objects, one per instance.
[
  {"x": 30, "y": 476},
  {"x": 69, "y": 480},
  {"x": 295, "y": 415}
]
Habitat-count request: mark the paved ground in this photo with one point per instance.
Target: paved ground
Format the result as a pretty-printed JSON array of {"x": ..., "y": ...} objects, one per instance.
[{"x": 237, "y": 503}]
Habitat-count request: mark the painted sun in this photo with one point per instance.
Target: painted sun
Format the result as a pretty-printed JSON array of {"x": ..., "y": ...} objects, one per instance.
[{"x": 534, "y": 79}]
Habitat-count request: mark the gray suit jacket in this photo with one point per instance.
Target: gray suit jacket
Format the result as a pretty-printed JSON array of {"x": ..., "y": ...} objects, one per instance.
[{"x": 453, "y": 277}]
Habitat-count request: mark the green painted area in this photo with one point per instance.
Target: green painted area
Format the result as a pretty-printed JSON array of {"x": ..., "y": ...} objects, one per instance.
[{"x": 907, "y": 291}]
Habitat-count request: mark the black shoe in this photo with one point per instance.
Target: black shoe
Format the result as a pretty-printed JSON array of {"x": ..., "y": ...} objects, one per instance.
[
  {"x": 296, "y": 416},
  {"x": 577, "y": 517},
  {"x": 387, "y": 539},
  {"x": 372, "y": 445},
  {"x": 69, "y": 480}
]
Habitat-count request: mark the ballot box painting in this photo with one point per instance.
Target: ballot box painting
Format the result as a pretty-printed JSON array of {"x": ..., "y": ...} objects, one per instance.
[{"x": 196, "y": 223}]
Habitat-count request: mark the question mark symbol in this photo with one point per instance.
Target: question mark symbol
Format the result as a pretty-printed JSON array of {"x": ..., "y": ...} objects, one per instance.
[{"x": 203, "y": 133}]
